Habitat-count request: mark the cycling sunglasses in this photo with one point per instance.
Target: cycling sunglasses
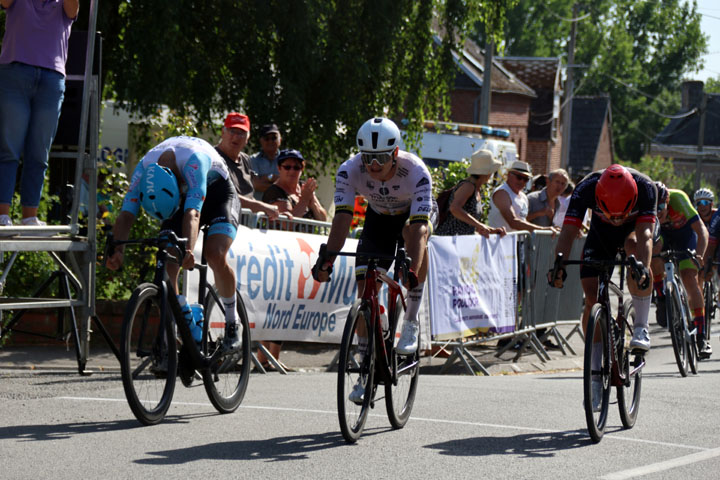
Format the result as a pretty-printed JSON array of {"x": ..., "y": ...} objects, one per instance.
[
  {"x": 380, "y": 158},
  {"x": 703, "y": 202}
]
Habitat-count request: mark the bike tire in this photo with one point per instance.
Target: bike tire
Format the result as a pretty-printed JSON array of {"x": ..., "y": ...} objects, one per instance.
[
  {"x": 226, "y": 379},
  {"x": 596, "y": 330},
  {"x": 352, "y": 366},
  {"x": 629, "y": 394},
  {"x": 677, "y": 329},
  {"x": 400, "y": 394},
  {"x": 690, "y": 340},
  {"x": 148, "y": 355}
]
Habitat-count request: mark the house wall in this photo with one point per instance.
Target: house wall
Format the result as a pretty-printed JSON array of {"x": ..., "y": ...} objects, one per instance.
[{"x": 603, "y": 157}]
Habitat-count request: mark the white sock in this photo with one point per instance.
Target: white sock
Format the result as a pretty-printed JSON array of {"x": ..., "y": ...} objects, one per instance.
[
  {"x": 642, "y": 311},
  {"x": 414, "y": 299},
  {"x": 230, "y": 310}
]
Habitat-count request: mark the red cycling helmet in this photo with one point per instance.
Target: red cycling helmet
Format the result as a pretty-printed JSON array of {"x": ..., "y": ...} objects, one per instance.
[{"x": 616, "y": 192}]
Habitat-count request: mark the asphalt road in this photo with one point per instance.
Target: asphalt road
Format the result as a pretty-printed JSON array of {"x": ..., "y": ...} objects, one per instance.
[{"x": 56, "y": 423}]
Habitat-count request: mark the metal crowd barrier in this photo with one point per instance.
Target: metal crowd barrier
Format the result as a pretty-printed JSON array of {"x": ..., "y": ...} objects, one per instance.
[{"x": 539, "y": 307}]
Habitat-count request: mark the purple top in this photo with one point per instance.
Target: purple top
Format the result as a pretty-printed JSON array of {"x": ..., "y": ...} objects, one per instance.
[{"x": 36, "y": 33}]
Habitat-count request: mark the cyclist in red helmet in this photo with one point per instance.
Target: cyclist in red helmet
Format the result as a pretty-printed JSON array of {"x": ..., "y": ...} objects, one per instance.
[{"x": 623, "y": 202}]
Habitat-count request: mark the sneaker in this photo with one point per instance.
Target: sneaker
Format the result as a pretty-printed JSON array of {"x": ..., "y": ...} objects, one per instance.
[
  {"x": 408, "y": 343},
  {"x": 704, "y": 349},
  {"x": 660, "y": 312},
  {"x": 640, "y": 339},
  {"x": 597, "y": 394},
  {"x": 232, "y": 341},
  {"x": 35, "y": 222},
  {"x": 357, "y": 395},
  {"x": 5, "y": 221}
]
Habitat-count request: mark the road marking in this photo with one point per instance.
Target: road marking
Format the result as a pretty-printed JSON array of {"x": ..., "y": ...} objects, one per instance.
[
  {"x": 663, "y": 466},
  {"x": 418, "y": 419}
]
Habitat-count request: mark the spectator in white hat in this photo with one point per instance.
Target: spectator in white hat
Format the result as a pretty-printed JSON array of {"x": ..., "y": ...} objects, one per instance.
[
  {"x": 509, "y": 205},
  {"x": 465, "y": 209}
]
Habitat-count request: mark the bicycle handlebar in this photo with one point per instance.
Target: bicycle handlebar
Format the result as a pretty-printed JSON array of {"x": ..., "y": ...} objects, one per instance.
[
  {"x": 637, "y": 269},
  {"x": 675, "y": 255},
  {"x": 401, "y": 258},
  {"x": 165, "y": 238}
]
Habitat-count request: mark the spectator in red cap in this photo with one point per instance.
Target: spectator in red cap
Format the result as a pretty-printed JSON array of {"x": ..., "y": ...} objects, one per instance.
[
  {"x": 232, "y": 142},
  {"x": 264, "y": 163}
]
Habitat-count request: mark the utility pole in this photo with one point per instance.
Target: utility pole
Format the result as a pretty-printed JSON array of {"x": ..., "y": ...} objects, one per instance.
[
  {"x": 485, "y": 99},
  {"x": 701, "y": 140},
  {"x": 569, "y": 87}
]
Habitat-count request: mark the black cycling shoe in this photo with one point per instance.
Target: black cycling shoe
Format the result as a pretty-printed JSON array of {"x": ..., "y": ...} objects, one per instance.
[
  {"x": 660, "y": 312},
  {"x": 232, "y": 342},
  {"x": 185, "y": 370}
]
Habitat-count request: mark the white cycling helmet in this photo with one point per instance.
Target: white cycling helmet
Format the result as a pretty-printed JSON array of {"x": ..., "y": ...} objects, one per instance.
[
  {"x": 378, "y": 135},
  {"x": 703, "y": 194}
]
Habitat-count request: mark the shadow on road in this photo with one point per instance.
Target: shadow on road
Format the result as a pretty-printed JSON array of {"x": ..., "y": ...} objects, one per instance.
[{"x": 531, "y": 445}]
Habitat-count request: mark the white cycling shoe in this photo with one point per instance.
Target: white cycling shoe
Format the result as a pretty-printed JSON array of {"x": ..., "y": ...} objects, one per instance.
[
  {"x": 640, "y": 339},
  {"x": 408, "y": 343},
  {"x": 357, "y": 395}
]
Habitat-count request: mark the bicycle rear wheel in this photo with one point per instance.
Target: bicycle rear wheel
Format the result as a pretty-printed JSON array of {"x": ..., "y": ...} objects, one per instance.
[
  {"x": 597, "y": 345},
  {"x": 677, "y": 329},
  {"x": 400, "y": 395},
  {"x": 148, "y": 358},
  {"x": 629, "y": 394},
  {"x": 227, "y": 377},
  {"x": 690, "y": 340},
  {"x": 355, "y": 366},
  {"x": 710, "y": 306}
]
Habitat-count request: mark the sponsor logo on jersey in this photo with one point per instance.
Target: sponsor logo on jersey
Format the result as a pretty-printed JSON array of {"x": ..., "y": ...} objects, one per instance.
[
  {"x": 423, "y": 181},
  {"x": 402, "y": 172},
  {"x": 396, "y": 187},
  {"x": 370, "y": 185},
  {"x": 419, "y": 199},
  {"x": 342, "y": 174},
  {"x": 384, "y": 190}
]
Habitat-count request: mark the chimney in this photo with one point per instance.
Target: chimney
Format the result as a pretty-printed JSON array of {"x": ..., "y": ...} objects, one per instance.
[{"x": 692, "y": 91}]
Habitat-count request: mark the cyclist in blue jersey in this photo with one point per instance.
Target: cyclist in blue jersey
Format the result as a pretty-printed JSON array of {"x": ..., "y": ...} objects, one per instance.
[{"x": 180, "y": 171}]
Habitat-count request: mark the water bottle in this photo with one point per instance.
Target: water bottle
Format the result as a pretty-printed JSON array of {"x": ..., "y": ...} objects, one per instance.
[
  {"x": 198, "y": 318},
  {"x": 190, "y": 317}
]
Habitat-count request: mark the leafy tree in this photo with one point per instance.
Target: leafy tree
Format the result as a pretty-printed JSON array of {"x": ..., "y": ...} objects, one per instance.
[{"x": 637, "y": 51}]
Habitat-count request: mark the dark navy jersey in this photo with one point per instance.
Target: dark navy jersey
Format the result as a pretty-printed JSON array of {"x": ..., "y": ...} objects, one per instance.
[
  {"x": 583, "y": 197},
  {"x": 714, "y": 228}
]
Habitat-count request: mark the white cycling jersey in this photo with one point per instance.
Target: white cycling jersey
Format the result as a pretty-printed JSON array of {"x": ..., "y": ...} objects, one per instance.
[{"x": 410, "y": 189}]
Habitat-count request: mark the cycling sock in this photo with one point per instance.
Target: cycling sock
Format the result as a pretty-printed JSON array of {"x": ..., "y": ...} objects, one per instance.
[
  {"x": 642, "y": 310},
  {"x": 698, "y": 312},
  {"x": 230, "y": 310},
  {"x": 414, "y": 299},
  {"x": 658, "y": 286},
  {"x": 699, "y": 322}
]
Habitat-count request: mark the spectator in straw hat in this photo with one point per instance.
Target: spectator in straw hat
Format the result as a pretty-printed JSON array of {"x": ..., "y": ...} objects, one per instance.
[
  {"x": 465, "y": 210},
  {"x": 509, "y": 205}
]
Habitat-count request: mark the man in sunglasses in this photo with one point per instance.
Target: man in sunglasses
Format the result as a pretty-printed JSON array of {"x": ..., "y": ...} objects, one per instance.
[
  {"x": 401, "y": 210},
  {"x": 681, "y": 229},
  {"x": 623, "y": 203},
  {"x": 703, "y": 199}
]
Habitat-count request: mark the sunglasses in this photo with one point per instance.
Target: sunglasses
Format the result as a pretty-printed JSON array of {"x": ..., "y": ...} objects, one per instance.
[
  {"x": 704, "y": 203},
  {"x": 661, "y": 207},
  {"x": 291, "y": 167},
  {"x": 380, "y": 158},
  {"x": 522, "y": 178}
]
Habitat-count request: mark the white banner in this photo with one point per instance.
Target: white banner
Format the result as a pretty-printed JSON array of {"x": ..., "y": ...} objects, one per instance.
[{"x": 472, "y": 283}]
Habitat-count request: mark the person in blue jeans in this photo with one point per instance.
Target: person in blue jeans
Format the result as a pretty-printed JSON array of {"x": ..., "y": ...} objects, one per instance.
[{"x": 32, "y": 87}]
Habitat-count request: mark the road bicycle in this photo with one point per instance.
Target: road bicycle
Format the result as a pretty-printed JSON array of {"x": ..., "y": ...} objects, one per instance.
[
  {"x": 683, "y": 334},
  {"x": 157, "y": 344},
  {"x": 374, "y": 361},
  {"x": 608, "y": 338}
]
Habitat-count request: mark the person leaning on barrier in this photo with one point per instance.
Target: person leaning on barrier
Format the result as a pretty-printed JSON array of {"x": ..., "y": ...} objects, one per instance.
[
  {"x": 623, "y": 204},
  {"x": 544, "y": 203},
  {"x": 465, "y": 210},
  {"x": 509, "y": 204},
  {"x": 233, "y": 139},
  {"x": 187, "y": 172},
  {"x": 264, "y": 162},
  {"x": 32, "y": 87}
]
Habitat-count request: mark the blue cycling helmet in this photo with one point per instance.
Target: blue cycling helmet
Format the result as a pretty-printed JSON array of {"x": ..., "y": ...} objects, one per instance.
[{"x": 159, "y": 192}]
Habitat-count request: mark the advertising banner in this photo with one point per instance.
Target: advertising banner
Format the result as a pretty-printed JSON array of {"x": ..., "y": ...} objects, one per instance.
[{"x": 473, "y": 285}]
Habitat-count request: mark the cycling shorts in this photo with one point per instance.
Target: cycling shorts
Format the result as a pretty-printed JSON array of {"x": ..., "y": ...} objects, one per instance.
[
  {"x": 603, "y": 242},
  {"x": 680, "y": 239},
  {"x": 220, "y": 211}
]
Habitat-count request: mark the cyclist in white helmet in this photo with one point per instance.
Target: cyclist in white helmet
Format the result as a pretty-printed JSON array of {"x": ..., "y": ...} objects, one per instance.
[
  {"x": 401, "y": 209},
  {"x": 703, "y": 200}
]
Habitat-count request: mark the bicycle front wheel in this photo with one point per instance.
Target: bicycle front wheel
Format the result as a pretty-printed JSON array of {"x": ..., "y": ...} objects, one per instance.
[
  {"x": 148, "y": 358},
  {"x": 356, "y": 372},
  {"x": 690, "y": 340},
  {"x": 227, "y": 377},
  {"x": 400, "y": 392},
  {"x": 677, "y": 329},
  {"x": 596, "y": 373},
  {"x": 628, "y": 394}
]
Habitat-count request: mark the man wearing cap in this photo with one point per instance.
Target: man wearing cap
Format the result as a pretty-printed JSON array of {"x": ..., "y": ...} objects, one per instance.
[
  {"x": 465, "y": 208},
  {"x": 545, "y": 202},
  {"x": 264, "y": 163},
  {"x": 509, "y": 206},
  {"x": 234, "y": 137}
]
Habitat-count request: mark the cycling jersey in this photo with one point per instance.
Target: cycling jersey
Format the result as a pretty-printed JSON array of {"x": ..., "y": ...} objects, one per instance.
[
  {"x": 681, "y": 211},
  {"x": 409, "y": 190},
  {"x": 714, "y": 229},
  {"x": 198, "y": 162}
]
